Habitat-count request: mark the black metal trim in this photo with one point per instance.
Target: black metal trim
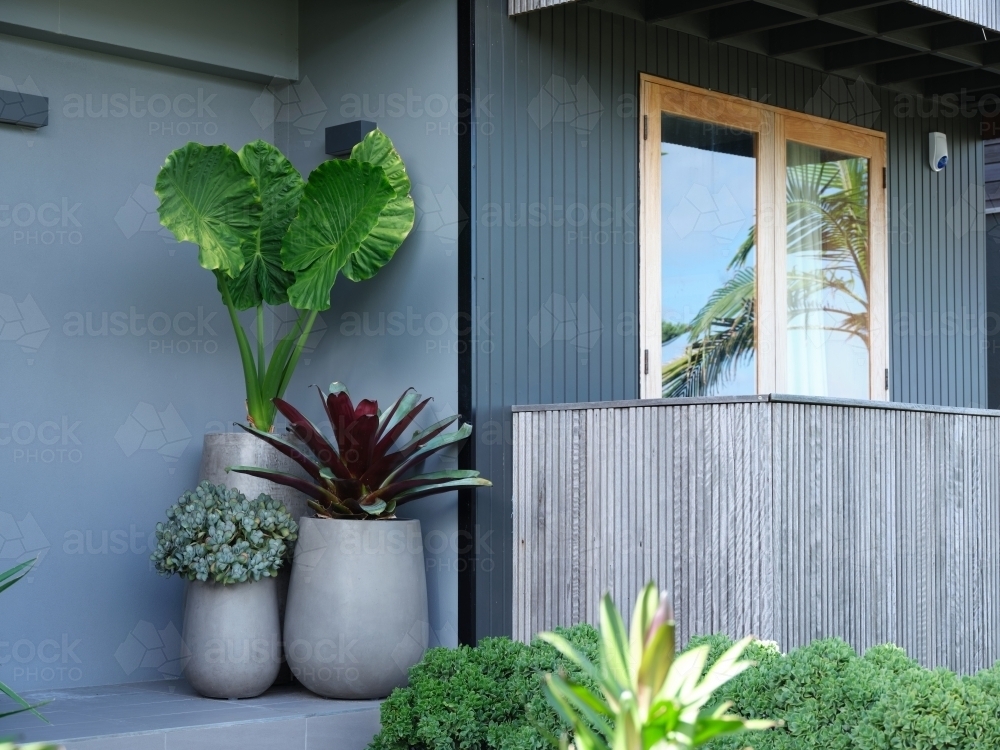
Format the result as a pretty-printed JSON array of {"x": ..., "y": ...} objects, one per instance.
[{"x": 467, "y": 620}]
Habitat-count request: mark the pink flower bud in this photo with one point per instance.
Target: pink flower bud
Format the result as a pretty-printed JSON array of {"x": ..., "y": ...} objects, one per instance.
[{"x": 664, "y": 614}]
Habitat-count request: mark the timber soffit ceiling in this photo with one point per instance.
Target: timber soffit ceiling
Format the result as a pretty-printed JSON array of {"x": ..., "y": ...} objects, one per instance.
[{"x": 928, "y": 47}]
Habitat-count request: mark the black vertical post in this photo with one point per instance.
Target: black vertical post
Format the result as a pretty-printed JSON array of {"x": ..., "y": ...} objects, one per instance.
[{"x": 467, "y": 563}]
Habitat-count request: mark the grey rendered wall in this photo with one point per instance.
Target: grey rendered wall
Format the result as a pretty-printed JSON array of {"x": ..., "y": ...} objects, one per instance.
[
  {"x": 116, "y": 355},
  {"x": 115, "y": 358},
  {"x": 394, "y": 62},
  {"x": 556, "y": 301},
  {"x": 253, "y": 39}
]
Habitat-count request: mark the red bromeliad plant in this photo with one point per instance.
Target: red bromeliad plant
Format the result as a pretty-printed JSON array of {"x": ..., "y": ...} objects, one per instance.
[{"x": 361, "y": 474}]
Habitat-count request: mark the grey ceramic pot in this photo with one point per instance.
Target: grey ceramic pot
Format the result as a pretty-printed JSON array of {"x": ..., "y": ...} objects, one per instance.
[
  {"x": 223, "y": 449},
  {"x": 356, "y": 619},
  {"x": 232, "y": 638}
]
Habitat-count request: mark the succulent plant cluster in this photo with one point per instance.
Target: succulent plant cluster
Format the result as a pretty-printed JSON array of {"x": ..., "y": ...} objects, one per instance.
[
  {"x": 361, "y": 473},
  {"x": 217, "y": 534}
]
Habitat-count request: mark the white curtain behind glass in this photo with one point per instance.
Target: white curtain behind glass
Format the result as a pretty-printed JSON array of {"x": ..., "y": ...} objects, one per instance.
[{"x": 807, "y": 325}]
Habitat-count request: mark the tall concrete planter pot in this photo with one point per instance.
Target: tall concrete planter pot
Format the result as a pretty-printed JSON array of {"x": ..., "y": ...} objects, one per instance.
[
  {"x": 356, "y": 618},
  {"x": 224, "y": 449},
  {"x": 232, "y": 637}
]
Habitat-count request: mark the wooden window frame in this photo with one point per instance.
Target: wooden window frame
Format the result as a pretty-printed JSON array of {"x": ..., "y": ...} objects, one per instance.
[{"x": 773, "y": 126}]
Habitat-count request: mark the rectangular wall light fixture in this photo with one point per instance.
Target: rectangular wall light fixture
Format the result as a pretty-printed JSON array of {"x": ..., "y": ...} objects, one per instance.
[
  {"x": 26, "y": 110},
  {"x": 340, "y": 139}
]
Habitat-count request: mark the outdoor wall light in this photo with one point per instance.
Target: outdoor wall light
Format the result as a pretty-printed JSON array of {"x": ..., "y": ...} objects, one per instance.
[
  {"x": 26, "y": 110},
  {"x": 340, "y": 139},
  {"x": 937, "y": 145}
]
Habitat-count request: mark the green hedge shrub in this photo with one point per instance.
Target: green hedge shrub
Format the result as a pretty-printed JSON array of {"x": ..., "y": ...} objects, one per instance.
[
  {"x": 489, "y": 698},
  {"x": 832, "y": 699},
  {"x": 479, "y": 698}
]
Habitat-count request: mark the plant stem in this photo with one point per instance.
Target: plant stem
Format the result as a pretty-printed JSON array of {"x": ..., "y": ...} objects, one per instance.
[
  {"x": 299, "y": 346},
  {"x": 260, "y": 343},
  {"x": 246, "y": 355}
]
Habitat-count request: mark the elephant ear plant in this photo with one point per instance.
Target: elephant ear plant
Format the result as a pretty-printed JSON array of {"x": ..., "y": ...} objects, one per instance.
[
  {"x": 271, "y": 238},
  {"x": 361, "y": 474},
  {"x": 649, "y": 700}
]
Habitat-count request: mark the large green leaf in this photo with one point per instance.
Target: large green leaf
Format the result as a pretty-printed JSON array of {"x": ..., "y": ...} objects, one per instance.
[
  {"x": 263, "y": 279},
  {"x": 208, "y": 198},
  {"x": 397, "y": 218},
  {"x": 377, "y": 149},
  {"x": 340, "y": 207}
]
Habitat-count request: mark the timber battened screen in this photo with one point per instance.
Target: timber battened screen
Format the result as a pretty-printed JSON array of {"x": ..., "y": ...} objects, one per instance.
[{"x": 789, "y": 518}]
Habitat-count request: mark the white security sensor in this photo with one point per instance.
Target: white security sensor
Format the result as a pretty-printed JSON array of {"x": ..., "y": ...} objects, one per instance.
[{"x": 938, "y": 146}]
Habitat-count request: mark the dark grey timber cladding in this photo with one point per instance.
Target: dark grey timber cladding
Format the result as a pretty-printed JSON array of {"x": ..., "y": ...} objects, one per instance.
[{"x": 554, "y": 301}]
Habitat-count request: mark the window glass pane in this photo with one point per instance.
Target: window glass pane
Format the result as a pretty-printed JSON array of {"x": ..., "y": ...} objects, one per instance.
[
  {"x": 709, "y": 196},
  {"x": 827, "y": 267}
]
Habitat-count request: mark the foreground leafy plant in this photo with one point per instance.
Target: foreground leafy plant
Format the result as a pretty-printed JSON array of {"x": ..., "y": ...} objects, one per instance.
[
  {"x": 218, "y": 534},
  {"x": 271, "y": 238},
  {"x": 359, "y": 475},
  {"x": 7, "y": 579},
  {"x": 648, "y": 699},
  {"x": 827, "y": 696}
]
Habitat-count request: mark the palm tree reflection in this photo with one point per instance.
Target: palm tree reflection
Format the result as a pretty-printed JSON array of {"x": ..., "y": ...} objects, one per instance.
[{"x": 827, "y": 277}]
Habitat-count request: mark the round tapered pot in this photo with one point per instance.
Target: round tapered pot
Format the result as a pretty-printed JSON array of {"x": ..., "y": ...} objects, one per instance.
[
  {"x": 232, "y": 638},
  {"x": 356, "y": 618}
]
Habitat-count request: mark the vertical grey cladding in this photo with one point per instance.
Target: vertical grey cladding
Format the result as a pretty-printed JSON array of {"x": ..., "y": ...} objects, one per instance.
[
  {"x": 555, "y": 256},
  {"x": 785, "y": 519}
]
